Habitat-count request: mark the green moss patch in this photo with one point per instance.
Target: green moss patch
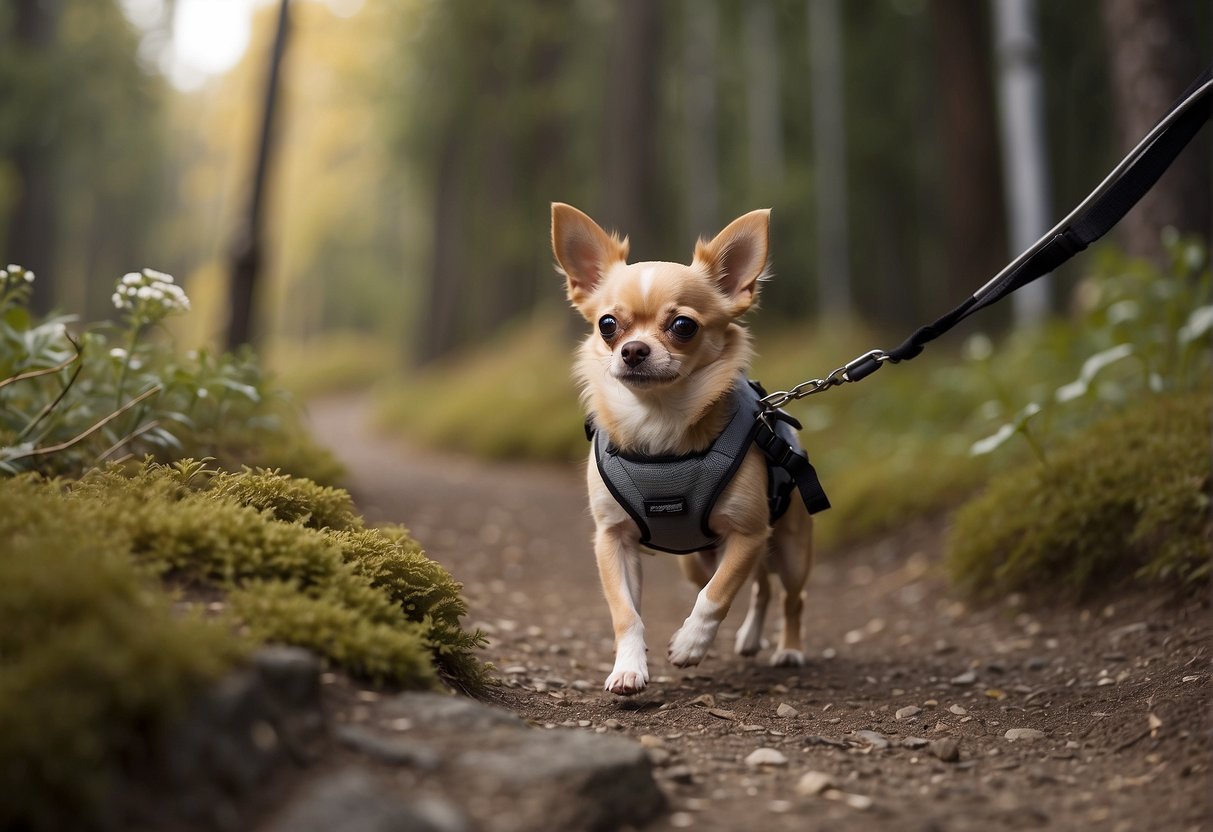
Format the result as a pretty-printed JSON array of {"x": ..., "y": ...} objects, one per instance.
[
  {"x": 97, "y": 655},
  {"x": 1130, "y": 497},
  {"x": 93, "y": 662}
]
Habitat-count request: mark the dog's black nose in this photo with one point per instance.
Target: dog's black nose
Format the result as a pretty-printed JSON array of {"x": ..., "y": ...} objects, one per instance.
[{"x": 634, "y": 352}]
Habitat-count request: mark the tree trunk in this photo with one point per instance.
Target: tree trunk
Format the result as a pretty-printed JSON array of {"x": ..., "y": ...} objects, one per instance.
[
  {"x": 247, "y": 252},
  {"x": 631, "y": 198},
  {"x": 701, "y": 25},
  {"x": 829, "y": 159},
  {"x": 974, "y": 220},
  {"x": 1153, "y": 57},
  {"x": 440, "y": 328},
  {"x": 1025, "y": 160},
  {"x": 764, "y": 116},
  {"x": 33, "y": 224}
]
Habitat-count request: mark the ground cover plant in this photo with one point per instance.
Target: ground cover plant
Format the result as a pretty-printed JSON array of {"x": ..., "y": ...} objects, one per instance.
[{"x": 74, "y": 395}]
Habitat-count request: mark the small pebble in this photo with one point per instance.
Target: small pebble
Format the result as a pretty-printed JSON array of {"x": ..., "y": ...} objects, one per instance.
[
  {"x": 966, "y": 678},
  {"x": 765, "y": 757},
  {"x": 1027, "y": 734},
  {"x": 814, "y": 782},
  {"x": 873, "y": 738},
  {"x": 958, "y": 710},
  {"x": 786, "y": 710},
  {"x": 945, "y": 749},
  {"x": 908, "y": 711}
]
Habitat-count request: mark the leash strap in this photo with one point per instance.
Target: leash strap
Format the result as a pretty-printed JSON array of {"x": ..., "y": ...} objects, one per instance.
[{"x": 1093, "y": 218}]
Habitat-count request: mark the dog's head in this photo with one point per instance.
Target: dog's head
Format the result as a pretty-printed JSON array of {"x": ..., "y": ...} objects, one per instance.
[{"x": 656, "y": 324}]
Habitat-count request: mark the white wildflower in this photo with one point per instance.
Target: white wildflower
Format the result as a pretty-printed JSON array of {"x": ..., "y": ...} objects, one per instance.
[
  {"x": 3, "y": 275},
  {"x": 132, "y": 278},
  {"x": 117, "y": 299},
  {"x": 202, "y": 394},
  {"x": 152, "y": 274},
  {"x": 29, "y": 277},
  {"x": 14, "y": 268},
  {"x": 118, "y": 353},
  {"x": 146, "y": 292}
]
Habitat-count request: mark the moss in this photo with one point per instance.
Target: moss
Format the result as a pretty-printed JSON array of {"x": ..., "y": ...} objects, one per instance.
[
  {"x": 289, "y": 499},
  {"x": 1129, "y": 498},
  {"x": 95, "y": 662},
  {"x": 255, "y": 529},
  {"x": 365, "y": 645}
]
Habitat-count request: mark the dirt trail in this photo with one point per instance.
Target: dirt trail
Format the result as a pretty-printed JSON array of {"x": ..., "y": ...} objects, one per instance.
[{"x": 902, "y": 712}]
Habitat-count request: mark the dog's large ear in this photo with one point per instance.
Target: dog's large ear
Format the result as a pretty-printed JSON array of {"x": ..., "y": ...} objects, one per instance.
[
  {"x": 737, "y": 257},
  {"x": 583, "y": 250}
]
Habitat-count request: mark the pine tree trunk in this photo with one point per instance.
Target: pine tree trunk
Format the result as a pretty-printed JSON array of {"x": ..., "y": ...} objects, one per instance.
[
  {"x": 1153, "y": 58},
  {"x": 974, "y": 220}
]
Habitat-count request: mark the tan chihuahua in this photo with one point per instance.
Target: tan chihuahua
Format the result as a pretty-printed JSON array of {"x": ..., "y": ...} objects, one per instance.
[{"x": 660, "y": 376}]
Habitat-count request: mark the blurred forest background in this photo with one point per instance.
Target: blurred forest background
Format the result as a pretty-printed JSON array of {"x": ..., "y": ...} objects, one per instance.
[{"x": 419, "y": 143}]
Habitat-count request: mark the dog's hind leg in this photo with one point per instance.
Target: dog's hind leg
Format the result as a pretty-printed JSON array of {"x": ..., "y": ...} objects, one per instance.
[
  {"x": 749, "y": 635},
  {"x": 792, "y": 559}
]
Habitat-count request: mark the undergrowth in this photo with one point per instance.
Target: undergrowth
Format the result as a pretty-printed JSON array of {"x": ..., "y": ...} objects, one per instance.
[{"x": 1128, "y": 498}]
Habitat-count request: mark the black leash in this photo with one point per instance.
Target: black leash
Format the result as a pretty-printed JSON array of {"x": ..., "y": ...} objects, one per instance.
[{"x": 1095, "y": 216}]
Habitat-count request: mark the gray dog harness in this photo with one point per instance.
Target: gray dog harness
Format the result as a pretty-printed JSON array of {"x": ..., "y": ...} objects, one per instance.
[{"x": 671, "y": 497}]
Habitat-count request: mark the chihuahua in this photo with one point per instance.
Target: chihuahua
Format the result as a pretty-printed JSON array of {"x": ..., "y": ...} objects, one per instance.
[{"x": 659, "y": 376}]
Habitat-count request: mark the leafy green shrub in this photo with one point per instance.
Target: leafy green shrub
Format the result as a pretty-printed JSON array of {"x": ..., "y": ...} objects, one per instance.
[
  {"x": 69, "y": 401},
  {"x": 93, "y": 661},
  {"x": 1129, "y": 497}
]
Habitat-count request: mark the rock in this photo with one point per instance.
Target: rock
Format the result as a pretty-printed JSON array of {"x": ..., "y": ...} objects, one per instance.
[
  {"x": 967, "y": 678},
  {"x": 761, "y": 757},
  {"x": 436, "y": 710},
  {"x": 387, "y": 749},
  {"x": 945, "y": 749},
  {"x": 565, "y": 779},
  {"x": 720, "y": 713},
  {"x": 1025, "y": 734},
  {"x": 875, "y": 739},
  {"x": 1036, "y": 663},
  {"x": 914, "y": 743},
  {"x": 236, "y": 734},
  {"x": 706, "y": 700},
  {"x": 785, "y": 710},
  {"x": 650, "y": 741},
  {"x": 958, "y": 710},
  {"x": 908, "y": 712},
  {"x": 354, "y": 801},
  {"x": 814, "y": 782}
]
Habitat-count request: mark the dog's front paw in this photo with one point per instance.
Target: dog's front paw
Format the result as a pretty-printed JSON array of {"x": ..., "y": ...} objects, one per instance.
[
  {"x": 626, "y": 682},
  {"x": 787, "y": 658},
  {"x": 690, "y": 644}
]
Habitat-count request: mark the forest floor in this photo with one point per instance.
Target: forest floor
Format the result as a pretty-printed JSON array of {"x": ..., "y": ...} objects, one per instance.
[{"x": 900, "y": 719}]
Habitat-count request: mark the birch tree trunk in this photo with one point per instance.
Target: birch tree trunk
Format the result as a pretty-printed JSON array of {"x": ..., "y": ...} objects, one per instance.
[{"x": 1025, "y": 160}]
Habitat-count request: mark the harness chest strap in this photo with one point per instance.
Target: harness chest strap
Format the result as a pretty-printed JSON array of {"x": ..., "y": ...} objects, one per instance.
[{"x": 671, "y": 498}]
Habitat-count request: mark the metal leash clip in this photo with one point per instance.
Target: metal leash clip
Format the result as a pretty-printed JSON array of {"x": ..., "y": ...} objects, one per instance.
[{"x": 854, "y": 370}]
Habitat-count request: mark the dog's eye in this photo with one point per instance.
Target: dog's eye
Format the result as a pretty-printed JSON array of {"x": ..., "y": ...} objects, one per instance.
[
  {"x": 607, "y": 325},
  {"x": 683, "y": 328}
]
